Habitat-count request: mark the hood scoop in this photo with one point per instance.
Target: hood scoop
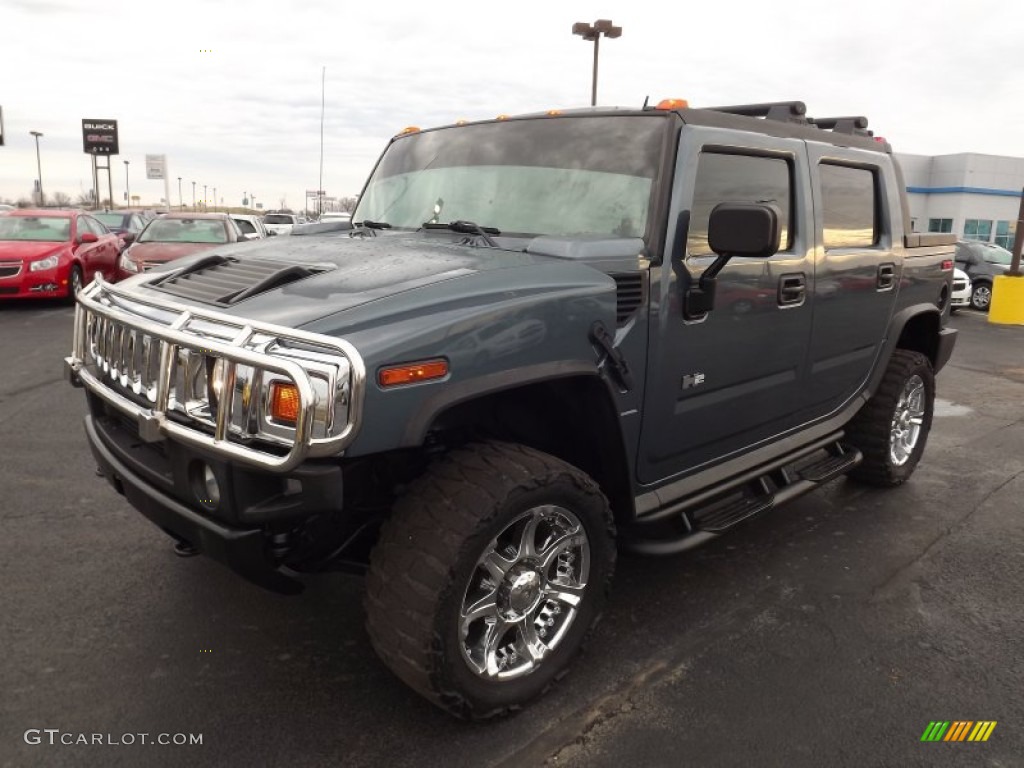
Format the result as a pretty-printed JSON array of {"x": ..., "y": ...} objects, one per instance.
[{"x": 224, "y": 281}]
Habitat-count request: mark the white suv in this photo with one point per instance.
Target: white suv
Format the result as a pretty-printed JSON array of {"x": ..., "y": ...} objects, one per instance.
[{"x": 280, "y": 223}]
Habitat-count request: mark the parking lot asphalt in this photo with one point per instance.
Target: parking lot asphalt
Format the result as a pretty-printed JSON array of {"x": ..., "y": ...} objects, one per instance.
[{"x": 829, "y": 632}]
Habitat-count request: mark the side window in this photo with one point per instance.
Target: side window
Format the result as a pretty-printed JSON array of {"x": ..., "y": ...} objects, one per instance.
[
  {"x": 246, "y": 227},
  {"x": 730, "y": 178},
  {"x": 848, "y": 198},
  {"x": 87, "y": 224}
]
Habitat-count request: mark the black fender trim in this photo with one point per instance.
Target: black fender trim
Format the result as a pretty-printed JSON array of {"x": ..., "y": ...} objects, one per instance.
[{"x": 454, "y": 394}]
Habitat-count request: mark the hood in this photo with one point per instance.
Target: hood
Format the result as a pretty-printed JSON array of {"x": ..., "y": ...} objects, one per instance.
[
  {"x": 151, "y": 252},
  {"x": 358, "y": 271},
  {"x": 11, "y": 250}
]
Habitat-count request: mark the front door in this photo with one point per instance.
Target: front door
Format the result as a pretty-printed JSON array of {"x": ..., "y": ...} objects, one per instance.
[{"x": 737, "y": 377}]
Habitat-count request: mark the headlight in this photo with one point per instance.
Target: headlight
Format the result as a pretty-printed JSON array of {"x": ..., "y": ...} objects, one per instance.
[
  {"x": 48, "y": 263},
  {"x": 127, "y": 264}
]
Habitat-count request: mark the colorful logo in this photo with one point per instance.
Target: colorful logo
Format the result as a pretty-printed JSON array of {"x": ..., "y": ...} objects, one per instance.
[{"x": 958, "y": 730}]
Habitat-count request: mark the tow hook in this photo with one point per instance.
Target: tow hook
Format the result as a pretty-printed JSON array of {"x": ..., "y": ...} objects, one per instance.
[{"x": 183, "y": 548}]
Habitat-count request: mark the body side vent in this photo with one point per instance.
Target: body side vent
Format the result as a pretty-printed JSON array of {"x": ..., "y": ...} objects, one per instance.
[{"x": 629, "y": 296}]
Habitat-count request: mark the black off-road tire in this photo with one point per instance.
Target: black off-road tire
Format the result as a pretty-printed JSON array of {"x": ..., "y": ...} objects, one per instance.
[
  {"x": 428, "y": 552},
  {"x": 871, "y": 429}
]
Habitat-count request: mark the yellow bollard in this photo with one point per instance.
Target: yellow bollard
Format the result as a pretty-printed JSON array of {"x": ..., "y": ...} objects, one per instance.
[{"x": 1007, "y": 306}]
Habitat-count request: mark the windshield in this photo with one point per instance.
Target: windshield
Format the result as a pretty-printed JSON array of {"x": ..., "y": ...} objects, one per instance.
[
  {"x": 278, "y": 218},
  {"x": 184, "y": 231},
  {"x": 42, "y": 228},
  {"x": 551, "y": 176},
  {"x": 110, "y": 219}
]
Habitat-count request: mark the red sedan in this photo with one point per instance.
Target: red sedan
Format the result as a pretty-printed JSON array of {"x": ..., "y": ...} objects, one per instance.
[
  {"x": 170, "y": 237},
  {"x": 47, "y": 253}
]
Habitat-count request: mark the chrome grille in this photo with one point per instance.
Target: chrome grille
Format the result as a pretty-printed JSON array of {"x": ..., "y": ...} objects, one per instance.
[{"x": 152, "y": 358}]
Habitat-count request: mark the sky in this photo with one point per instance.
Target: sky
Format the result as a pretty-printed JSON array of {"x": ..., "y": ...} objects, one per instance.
[{"x": 230, "y": 91}]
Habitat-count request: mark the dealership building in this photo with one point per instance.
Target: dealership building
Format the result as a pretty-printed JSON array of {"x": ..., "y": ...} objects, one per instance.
[{"x": 975, "y": 196}]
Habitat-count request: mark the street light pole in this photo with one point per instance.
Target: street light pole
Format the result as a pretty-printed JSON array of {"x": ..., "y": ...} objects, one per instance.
[
  {"x": 594, "y": 32},
  {"x": 127, "y": 188},
  {"x": 39, "y": 168},
  {"x": 206, "y": 204},
  {"x": 193, "y": 197},
  {"x": 215, "y": 198},
  {"x": 181, "y": 206}
]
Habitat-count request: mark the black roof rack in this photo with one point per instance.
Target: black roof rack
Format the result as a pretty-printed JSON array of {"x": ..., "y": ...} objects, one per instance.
[
  {"x": 786, "y": 111},
  {"x": 796, "y": 112},
  {"x": 854, "y": 124}
]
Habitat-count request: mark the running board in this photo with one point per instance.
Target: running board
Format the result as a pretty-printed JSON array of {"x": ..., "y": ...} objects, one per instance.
[{"x": 713, "y": 512}]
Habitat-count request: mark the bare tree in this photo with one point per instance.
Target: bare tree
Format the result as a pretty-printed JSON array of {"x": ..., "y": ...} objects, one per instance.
[
  {"x": 85, "y": 199},
  {"x": 61, "y": 199},
  {"x": 25, "y": 202},
  {"x": 347, "y": 204}
]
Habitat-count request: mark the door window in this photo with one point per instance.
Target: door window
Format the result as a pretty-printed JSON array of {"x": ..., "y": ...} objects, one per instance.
[
  {"x": 733, "y": 178},
  {"x": 848, "y": 199}
]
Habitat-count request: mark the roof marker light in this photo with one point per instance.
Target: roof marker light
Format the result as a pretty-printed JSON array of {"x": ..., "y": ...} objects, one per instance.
[{"x": 673, "y": 104}]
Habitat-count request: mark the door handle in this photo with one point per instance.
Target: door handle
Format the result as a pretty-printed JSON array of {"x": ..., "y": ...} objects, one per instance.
[
  {"x": 792, "y": 289},
  {"x": 886, "y": 276}
]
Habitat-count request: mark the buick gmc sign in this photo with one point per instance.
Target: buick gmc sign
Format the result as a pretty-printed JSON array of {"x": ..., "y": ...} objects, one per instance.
[{"x": 99, "y": 137}]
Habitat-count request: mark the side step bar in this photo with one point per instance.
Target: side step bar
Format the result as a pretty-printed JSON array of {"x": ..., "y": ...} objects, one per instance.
[{"x": 690, "y": 522}]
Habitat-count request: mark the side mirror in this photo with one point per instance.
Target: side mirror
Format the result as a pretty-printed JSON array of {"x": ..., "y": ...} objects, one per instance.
[
  {"x": 744, "y": 229},
  {"x": 734, "y": 229},
  {"x": 128, "y": 237},
  {"x": 88, "y": 237}
]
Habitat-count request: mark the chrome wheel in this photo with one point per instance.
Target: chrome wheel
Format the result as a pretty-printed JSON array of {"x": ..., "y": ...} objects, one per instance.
[
  {"x": 76, "y": 281},
  {"x": 524, "y": 593},
  {"x": 907, "y": 421},
  {"x": 981, "y": 297}
]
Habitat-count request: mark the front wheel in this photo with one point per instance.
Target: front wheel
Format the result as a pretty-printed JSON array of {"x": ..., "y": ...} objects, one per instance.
[
  {"x": 892, "y": 428},
  {"x": 75, "y": 282},
  {"x": 488, "y": 577}
]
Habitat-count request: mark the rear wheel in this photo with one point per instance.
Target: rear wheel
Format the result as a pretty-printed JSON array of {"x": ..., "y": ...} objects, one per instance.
[
  {"x": 981, "y": 296},
  {"x": 488, "y": 577},
  {"x": 892, "y": 429}
]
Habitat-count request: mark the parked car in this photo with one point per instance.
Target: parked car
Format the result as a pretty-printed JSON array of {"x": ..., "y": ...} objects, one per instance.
[
  {"x": 175, "y": 235},
  {"x": 126, "y": 224},
  {"x": 961, "y": 295},
  {"x": 4, "y": 207},
  {"x": 280, "y": 223},
  {"x": 49, "y": 253},
  {"x": 981, "y": 262},
  {"x": 250, "y": 226}
]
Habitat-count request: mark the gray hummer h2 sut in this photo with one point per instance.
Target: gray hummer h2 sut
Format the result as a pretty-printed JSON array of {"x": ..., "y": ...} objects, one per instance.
[{"x": 540, "y": 339}]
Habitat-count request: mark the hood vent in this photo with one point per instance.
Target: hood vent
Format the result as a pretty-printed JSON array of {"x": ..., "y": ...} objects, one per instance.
[
  {"x": 629, "y": 295},
  {"x": 224, "y": 281}
]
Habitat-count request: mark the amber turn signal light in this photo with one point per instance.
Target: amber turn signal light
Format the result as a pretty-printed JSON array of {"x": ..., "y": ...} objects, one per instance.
[
  {"x": 284, "y": 402},
  {"x": 412, "y": 373}
]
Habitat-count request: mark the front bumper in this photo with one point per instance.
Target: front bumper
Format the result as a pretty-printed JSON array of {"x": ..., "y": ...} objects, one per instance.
[
  {"x": 42, "y": 284},
  {"x": 239, "y": 531}
]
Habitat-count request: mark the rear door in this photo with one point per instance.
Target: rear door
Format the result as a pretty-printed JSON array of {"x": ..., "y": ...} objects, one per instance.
[
  {"x": 718, "y": 385},
  {"x": 859, "y": 265}
]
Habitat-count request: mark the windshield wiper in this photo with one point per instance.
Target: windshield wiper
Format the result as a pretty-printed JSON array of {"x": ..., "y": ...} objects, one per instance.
[
  {"x": 367, "y": 227},
  {"x": 467, "y": 227}
]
